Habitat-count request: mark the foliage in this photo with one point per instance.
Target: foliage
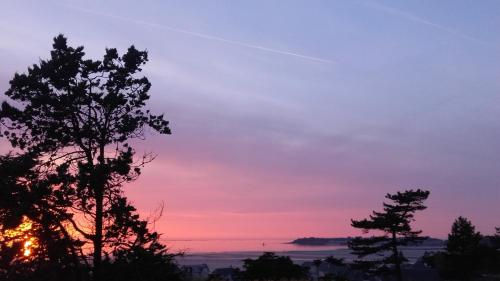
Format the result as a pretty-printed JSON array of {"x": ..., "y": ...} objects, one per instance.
[
  {"x": 74, "y": 119},
  {"x": 395, "y": 225},
  {"x": 332, "y": 262},
  {"x": 335, "y": 261},
  {"x": 462, "y": 251},
  {"x": 463, "y": 238},
  {"x": 272, "y": 267},
  {"x": 333, "y": 277},
  {"x": 495, "y": 239},
  {"x": 30, "y": 213},
  {"x": 148, "y": 262},
  {"x": 225, "y": 273},
  {"x": 468, "y": 255}
]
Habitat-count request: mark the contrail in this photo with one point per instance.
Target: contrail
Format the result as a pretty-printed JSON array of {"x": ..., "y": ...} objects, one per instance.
[
  {"x": 202, "y": 35},
  {"x": 411, "y": 17}
]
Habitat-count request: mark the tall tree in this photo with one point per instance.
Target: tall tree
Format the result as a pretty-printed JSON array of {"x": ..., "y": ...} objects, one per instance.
[
  {"x": 77, "y": 116},
  {"x": 462, "y": 250},
  {"x": 394, "y": 224}
]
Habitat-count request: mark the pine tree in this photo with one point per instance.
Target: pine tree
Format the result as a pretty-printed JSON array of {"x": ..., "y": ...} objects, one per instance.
[
  {"x": 462, "y": 256},
  {"x": 395, "y": 225}
]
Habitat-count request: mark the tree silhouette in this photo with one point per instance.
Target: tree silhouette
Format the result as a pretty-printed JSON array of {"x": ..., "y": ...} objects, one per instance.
[
  {"x": 335, "y": 261},
  {"x": 272, "y": 267},
  {"x": 76, "y": 118},
  {"x": 395, "y": 224},
  {"x": 317, "y": 263},
  {"x": 149, "y": 262},
  {"x": 27, "y": 200},
  {"x": 338, "y": 276},
  {"x": 462, "y": 257},
  {"x": 496, "y": 238}
]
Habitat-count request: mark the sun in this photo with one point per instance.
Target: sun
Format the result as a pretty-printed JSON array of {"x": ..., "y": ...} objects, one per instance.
[
  {"x": 21, "y": 234},
  {"x": 29, "y": 244}
]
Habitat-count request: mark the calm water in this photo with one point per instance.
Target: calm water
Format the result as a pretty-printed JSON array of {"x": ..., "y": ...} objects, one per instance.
[
  {"x": 217, "y": 253},
  {"x": 240, "y": 245}
]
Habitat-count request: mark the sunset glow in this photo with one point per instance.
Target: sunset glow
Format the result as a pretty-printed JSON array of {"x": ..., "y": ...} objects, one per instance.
[
  {"x": 294, "y": 122},
  {"x": 249, "y": 140},
  {"x": 22, "y": 234},
  {"x": 28, "y": 245}
]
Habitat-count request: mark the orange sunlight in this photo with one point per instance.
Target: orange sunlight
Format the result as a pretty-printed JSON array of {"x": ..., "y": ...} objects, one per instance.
[{"x": 22, "y": 234}]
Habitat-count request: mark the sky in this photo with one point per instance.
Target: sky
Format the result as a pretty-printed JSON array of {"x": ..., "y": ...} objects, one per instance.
[{"x": 289, "y": 118}]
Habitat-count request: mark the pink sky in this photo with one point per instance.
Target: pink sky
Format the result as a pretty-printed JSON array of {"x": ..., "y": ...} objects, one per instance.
[{"x": 289, "y": 120}]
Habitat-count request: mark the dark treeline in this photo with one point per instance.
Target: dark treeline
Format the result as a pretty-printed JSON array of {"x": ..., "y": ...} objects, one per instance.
[
  {"x": 468, "y": 255},
  {"x": 70, "y": 122}
]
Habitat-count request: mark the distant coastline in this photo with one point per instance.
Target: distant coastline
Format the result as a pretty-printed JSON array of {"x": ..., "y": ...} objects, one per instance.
[
  {"x": 316, "y": 241},
  {"x": 343, "y": 241}
]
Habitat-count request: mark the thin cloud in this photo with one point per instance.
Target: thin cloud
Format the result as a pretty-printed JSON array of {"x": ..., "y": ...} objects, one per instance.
[
  {"x": 203, "y": 35},
  {"x": 417, "y": 19}
]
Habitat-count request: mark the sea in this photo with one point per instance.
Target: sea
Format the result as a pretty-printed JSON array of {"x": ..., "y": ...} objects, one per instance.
[{"x": 220, "y": 253}]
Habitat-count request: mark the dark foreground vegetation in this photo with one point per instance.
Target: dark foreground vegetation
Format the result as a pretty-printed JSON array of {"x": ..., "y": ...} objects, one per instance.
[
  {"x": 71, "y": 122},
  {"x": 467, "y": 256}
]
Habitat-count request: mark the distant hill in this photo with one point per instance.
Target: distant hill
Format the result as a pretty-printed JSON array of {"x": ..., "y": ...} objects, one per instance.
[
  {"x": 315, "y": 241},
  {"x": 342, "y": 241}
]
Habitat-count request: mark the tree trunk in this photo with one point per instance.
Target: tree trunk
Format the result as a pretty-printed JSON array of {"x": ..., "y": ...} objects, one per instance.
[
  {"x": 98, "y": 235},
  {"x": 397, "y": 261},
  {"x": 100, "y": 179},
  {"x": 100, "y": 182}
]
